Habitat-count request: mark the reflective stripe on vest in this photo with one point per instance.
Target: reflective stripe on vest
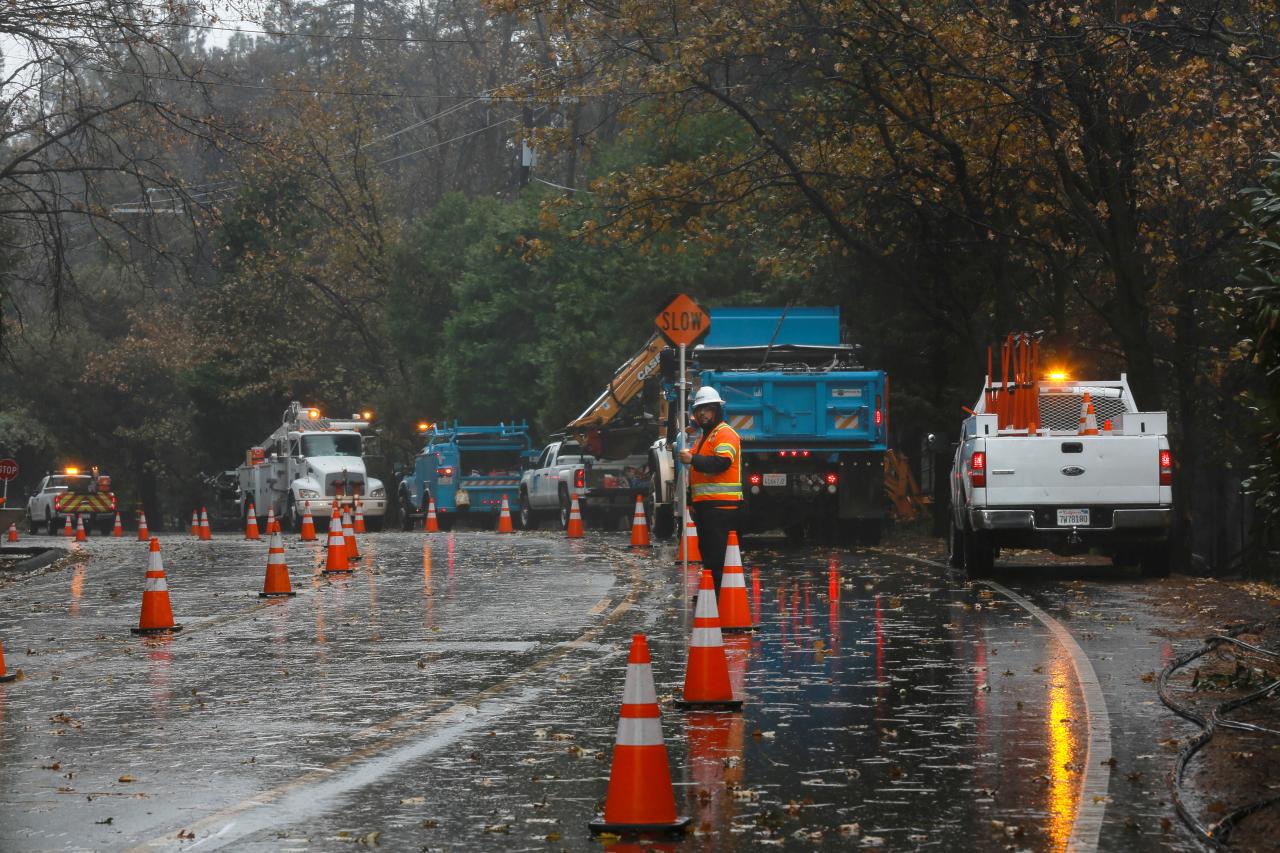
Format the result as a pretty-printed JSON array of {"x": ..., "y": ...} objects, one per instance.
[{"x": 727, "y": 484}]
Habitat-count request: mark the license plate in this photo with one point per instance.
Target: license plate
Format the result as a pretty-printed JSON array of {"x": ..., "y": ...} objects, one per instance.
[
  {"x": 1073, "y": 518},
  {"x": 775, "y": 479},
  {"x": 446, "y": 481}
]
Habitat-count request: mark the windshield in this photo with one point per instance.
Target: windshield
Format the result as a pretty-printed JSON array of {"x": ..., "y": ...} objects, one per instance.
[
  {"x": 336, "y": 444},
  {"x": 71, "y": 483}
]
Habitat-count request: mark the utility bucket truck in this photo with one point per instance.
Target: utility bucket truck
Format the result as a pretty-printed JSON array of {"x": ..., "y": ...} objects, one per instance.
[
  {"x": 1062, "y": 464},
  {"x": 467, "y": 471},
  {"x": 311, "y": 459}
]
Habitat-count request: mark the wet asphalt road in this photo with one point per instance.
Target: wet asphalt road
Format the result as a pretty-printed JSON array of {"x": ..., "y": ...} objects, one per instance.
[{"x": 460, "y": 691}]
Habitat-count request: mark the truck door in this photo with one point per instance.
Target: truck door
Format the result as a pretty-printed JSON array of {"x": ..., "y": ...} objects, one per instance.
[{"x": 537, "y": 481}]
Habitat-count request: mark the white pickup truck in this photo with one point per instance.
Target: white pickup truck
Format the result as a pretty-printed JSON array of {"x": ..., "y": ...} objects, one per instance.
[
  {"x": 548, "y": 487},
  {"x": 1057, "y": 489}
]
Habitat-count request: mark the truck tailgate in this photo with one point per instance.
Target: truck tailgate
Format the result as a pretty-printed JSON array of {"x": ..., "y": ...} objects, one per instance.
[{"x": 1062, "y": 470}]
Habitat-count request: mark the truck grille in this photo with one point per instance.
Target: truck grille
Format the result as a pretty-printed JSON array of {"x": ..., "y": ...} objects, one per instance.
[
  {"x": 346, "y": 483},
  {"x": 1062, "y": 411}
]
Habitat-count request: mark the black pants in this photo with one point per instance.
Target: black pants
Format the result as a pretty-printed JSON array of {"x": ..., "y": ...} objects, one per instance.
[{"x": 714, "y": 521}]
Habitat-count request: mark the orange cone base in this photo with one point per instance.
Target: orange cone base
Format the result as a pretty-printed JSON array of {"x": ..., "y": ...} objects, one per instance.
[
  {"x": 338, "y": 571},
  {"x": 10, "y": 677},
  {"x": 600, "y": 825},
  {"x": 147, "y": 631},
  {"x": 740, "y": 629},
  {"x": 726, "y": 705},
  {"x": 276, "y": 594}
]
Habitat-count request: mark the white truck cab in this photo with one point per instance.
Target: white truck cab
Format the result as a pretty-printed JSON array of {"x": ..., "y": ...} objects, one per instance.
[
  {"x": 311, "y": 460},
  {"x": 1052, "y": 485}
]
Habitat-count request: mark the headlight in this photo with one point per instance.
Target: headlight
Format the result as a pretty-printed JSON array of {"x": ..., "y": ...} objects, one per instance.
[
  {"x": 379, "y": 492},
  {"x": 308, "y": 494}
]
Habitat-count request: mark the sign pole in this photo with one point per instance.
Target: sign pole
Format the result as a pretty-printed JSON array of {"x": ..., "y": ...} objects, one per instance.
[{"x": 684, "y": 469}]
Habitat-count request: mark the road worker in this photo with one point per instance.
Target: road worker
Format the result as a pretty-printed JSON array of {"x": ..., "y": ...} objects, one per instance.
[{"x": 715, "y": 479}]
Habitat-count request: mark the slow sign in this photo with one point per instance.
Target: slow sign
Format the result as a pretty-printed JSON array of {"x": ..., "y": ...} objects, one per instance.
[{"x": 683, "y": 321}]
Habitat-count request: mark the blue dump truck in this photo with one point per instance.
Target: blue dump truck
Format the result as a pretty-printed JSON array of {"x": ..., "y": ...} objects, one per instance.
[
  {"x": 813, "y": 423},
  {"x": 468, "y": 470}
]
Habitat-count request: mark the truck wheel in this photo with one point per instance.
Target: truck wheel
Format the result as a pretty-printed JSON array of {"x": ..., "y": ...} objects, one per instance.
[
  {"x": 445, "y": 520},
  {"x": 662, "y": 516},
  {"x": 955, "y": 554},
  {"x": 373, "y": 523},
  {"x": 289, "y": 520},
  {"x": 528, "y": 518},
  {"x": 565, "y": 508},
  {"x": 1155, "y": 561},
  {"x": 32, "y": 525},
  {"x": 406, "y": 512},
  {"x": 869, "y": 531},
  {"x": 795, "y": 533},
  {"x": 50, "y": 523},
  {"x": 979, "y": 553}
]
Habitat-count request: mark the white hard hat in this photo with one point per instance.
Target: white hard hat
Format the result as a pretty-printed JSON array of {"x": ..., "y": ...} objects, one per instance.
[{"x": 705, "y": 396}]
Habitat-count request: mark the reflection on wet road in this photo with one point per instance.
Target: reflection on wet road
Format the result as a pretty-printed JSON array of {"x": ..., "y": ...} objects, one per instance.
[{"x": 461, "y": 691}]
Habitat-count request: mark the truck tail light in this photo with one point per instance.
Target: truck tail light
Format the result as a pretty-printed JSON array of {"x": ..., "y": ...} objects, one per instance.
[
  {"x": 1166, "y": 467},
  {"x": 879, "y": 416},
  {"x": 113, "y": 503},
  {"x": 580, "y": 478},
  {"x": 832, "y": 479},
  {"x": 444, "y": 472},
  {"x": 754, "y": 479},
  {"x": 978, "y": 469}
]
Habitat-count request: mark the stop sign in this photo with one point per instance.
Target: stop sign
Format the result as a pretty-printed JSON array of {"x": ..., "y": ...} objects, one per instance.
[{"x": 8, "y": 469}]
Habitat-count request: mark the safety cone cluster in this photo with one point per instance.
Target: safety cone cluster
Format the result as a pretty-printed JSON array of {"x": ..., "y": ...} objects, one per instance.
[
  {"x": 81, "y": 536},
  {"x": 13, "y": 533},
  {"x": 157, "y": 612},
  {"x": 639, "y": 526},
  {"x": 640, "y": 797},
  {"x": 276, "y": 584},
  {"x": 143, "y": 533},
  {"x": 706, "y": 679},
  {"x": 336, "y": 560},
  {"x": 735, "y": 610},
  {"x": 432, "y": 524},
  {"x": 251, "y": 523},
  {"x": 504, "y": 517},
  {"x": 574, "y": 529},
  {"x": 117, "y": 529},
  {"x": 206, "y": 532},
  {"x": 689, "y": 542},
  {"x": 1088, "y": 418},
  {"x": 5, "y": 675},
  {"x": 308, "y": 531}
]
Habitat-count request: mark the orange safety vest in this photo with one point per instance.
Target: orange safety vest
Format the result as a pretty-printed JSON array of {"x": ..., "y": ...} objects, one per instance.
[{"x": 727, "y": 485}]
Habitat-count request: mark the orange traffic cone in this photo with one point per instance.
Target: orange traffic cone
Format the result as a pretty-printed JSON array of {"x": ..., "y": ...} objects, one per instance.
[
  {"x": 13, "y": 532},
  {"x": 574, "y": 530},
  {"x": 639, "y": 526},
  {"x": 308, "y": 533},
  {"x": 66, "y": 528},
  {"x": 195, "y": 523},
  {"x": 5, "y": 675},
  {"x": 359, "y": 516},
  {"x": 80, "y": 534},
  {"x": 336, "y": 560},
  {"x": 432, "y": 524},
  {"x": 157, "y": 614},
  {"x": 689, "y": 541},
  {"x": 271, "y": 520},
  {"x": 706, "y": 676},
  {"x": 143, "y": 533},
  {"x": 251, "y": 522},
  {"x": 117, "y": 530},
  {"x": 1088, "y": 419},
  {"x": 735, "y": 610},
  {"x": 276, "y": 584},
  {"x": 349, "y": 536},
  {"x": 504, "y": 517},
  {"x": 206, "y": 532},
  {"x": 640, "y": 797}
]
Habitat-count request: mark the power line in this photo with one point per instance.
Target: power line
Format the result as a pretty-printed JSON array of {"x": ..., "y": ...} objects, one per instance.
[
  {"x": 445, "y": 142},
  {"x": 296, "y": 91}
]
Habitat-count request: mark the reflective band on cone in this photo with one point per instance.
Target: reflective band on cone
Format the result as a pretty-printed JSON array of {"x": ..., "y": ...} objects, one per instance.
[
  {"x": 5, "y": 675},
  {"x": 206, "y": 532},
  {"x": 349, "y": 536},
  {"x": 80, "y": 534},
  {"x": 157, "y": 614},
  {"x": 251, "y": 522},
  {"x": 432, "y": 524},
  {"x": 574, "y": 529},
  {"x": 639, "y": 526},
  {"x": 706, "y": 679},
  {"x": 359, "y": 516},
  {"x": 117, "y": 529},
  {"x": 308, "y": 533},
  {"x": 735, "y": 610},
  {"x": 276, "y": 584},
  {"x": 143, "y": 533},
  {"x": 195, "y": 523},
  {"x": 336, "y": 559},
  {"x": 689, "y": 541},
  {"x": 504, "y": 517},
  {"x": 640, "y": 797}
]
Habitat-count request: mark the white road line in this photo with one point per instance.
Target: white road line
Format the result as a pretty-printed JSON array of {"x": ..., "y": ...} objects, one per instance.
[{"x": 1091, "y": 804}]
